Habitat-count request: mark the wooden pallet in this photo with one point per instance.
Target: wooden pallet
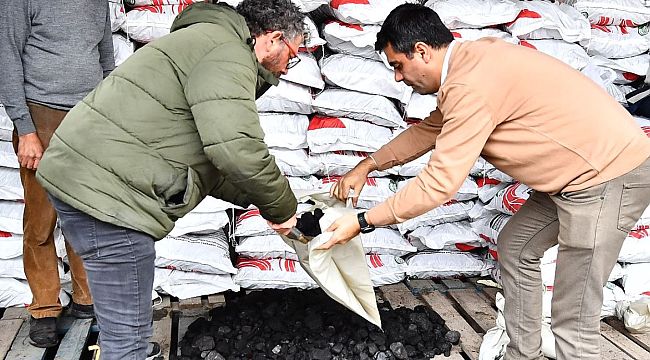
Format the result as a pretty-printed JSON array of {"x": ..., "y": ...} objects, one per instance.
[
  {"x": 469, "y": 308},
  {"x": 14, "y": 338}
]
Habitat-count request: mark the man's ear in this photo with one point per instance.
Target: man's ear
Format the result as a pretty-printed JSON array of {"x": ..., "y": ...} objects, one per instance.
[
  {"x": 422, "y": 50},
  {"x": 275, "y": 37}
]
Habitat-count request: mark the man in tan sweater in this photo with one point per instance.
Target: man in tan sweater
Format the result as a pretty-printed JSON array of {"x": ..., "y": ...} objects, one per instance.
[{"x": 544, "y": 124}]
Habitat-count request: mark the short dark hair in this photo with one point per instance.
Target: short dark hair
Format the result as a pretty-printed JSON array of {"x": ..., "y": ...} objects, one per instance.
[
  {"x": 272, "y": 15},
  {"x": 410, "y": 23}
]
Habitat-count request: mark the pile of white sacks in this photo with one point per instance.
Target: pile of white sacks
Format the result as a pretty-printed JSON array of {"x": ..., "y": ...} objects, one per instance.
[{"x": 328, "y": 114}]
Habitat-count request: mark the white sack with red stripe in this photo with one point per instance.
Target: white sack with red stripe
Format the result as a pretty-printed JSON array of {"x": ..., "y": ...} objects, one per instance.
[
  {"x": 386, "y": 241},
  {"x": 11, "y": 245},
  {"x": 11, "y": 216},
  {"x": 303, "y": 182},
  {"x": 488, "y": 188},
  {"x": 313, "y": 41},
  {"x": 287, "y": 97},
  {"x": 636, "y": 281},
  {"x": 614, "y": 12},
  {"x": 571, "y": 54},
  {"x": 385, "y": 269},
  {"x": 615, "y": 42},
  {"x": 117, "y": 14},
  {"x": 448, "y": 212},
  {"x": 200, "y": 253},
  {"x": 444, "y": 264},
  {"x": 364, "y": 75},
  {"x": 334, "y": 134},
  {"x": 264, "y": 247},
  {"x": 148, "y": 23},
  {"x": 460, "y": 14},
  {"x": 375, "y": 191},
  {"x": 365, "y": 11},
  {"x": 14, "y": 293},
  {"x": 546, "y": 20},
  {"x": 447, "y": 235},
  {"x": 306, "y": 73},
  {"x": 293, "y": 162},
  {"x": 8, "y": 156},
  {"x": 339, "y": 163},
  {"x": 625, "y": 68},
  {"x": 251, "y": 223},
  {"x": 468, "y": 189},
  {"x": 6, "y": 125},
  {"x": 359, "y": 106},
  {"x": 510, "y": 199},
  {"x": 475, "y": 34},
  {"x": 421, "y": 106},
  {"x": 489, "y": 225},
  {"x": 283, "y": 130},
  {"x": 636, "y": 247},
  {"x": 159, "y": 2},
  {"x": 11, "y": 188},
  {"x": 185, "y": 285},
  {"x": 352, "y": 39},
  {"x": 272, "y": 274}
]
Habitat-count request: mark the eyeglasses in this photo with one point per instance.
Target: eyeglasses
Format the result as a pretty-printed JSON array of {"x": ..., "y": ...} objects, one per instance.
[{"x": 293, "y": 53}]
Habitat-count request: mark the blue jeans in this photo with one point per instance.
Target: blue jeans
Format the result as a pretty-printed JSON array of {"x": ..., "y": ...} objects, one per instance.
[{"x": 120, "y": 267}]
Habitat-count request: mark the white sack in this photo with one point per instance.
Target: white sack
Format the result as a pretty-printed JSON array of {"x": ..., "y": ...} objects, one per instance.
[
  {"x": 614, "y": 12},
  {"x": 11, "y": 216},
  {"x": 352, "y": 39},
  {"x": 364, "y": 75},
  {"x": 414, "y": 167},
  {"x": 615, "y": 42},
  {"x": 510, "y": 199},
  {"x": 200, "y": 253},
  {"x": 468, "y": 189},
  {"x": 185, "y": 285},
  {"x": 117, "y": 14},
  {"x": 443, "y": 264},
  {"x": 571, "y": 54},
  {"x": 448, "y": 212},
  {"x": 339, "y": 163},
  {"x": 359, "y": 106},
  {"x": 285, "y": 130},
  {"x": 148, "y": 23},
  {"x": 306, "y": 73},
  {"x": 386, "y": 241},
  {"x": 287, "y": 97},
  {"x": 445, "y": 235},
  {"x": 251, "y": 223},
  {"x": 272, "y": 274},
  {"x": 265, "y": 247},
  {"x": 11, "y": 187},
  {"x": 327, "y": 134},
  {"x": 385, "y": 269},
  {"x": 199, "y": 223},
  {"x": 122, "y": 48},
  {"x": 365, "y": 12},
  {"x": 8, "y": 156},
  {"x": 459, "y": 14},
  {"x": 546, "y": 20},
  {"x": 475, "y": 34},
  {"x": 293, "y": 162},
  {"x": 6, "y": 125},
  {"x": 421, "y": 106}
]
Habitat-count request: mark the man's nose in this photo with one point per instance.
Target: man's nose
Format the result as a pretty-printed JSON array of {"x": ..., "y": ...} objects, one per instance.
[{"x": 398, "y": 76}]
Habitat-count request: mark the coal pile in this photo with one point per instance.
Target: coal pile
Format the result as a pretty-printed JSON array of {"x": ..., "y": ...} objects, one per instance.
[{"x": 293, "y": 325}]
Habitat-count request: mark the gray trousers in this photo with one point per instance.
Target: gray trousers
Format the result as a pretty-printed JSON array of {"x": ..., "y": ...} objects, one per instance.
[
  {"x": 120, "y": 267},
  {"x": 589, "y": 226}
]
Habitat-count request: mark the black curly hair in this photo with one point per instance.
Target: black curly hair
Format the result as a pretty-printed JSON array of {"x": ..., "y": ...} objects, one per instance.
[{"x": 272, "y": 15}]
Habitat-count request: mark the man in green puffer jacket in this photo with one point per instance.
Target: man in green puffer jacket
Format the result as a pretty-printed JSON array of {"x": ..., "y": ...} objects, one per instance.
[{"x": 174, "y": 123}]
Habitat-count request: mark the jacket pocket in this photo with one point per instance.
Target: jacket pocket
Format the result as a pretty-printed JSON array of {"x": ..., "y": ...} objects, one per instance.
[
  {"x": 634, "y": 200},
  {"x": 180, "y": 204}
]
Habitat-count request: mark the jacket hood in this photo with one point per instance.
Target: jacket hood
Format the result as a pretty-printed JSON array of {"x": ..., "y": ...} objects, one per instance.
[{"x": 227, "y": 17}]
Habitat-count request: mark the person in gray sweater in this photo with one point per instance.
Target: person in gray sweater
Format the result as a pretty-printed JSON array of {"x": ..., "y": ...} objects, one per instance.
[{"x": 53, "y": 53}]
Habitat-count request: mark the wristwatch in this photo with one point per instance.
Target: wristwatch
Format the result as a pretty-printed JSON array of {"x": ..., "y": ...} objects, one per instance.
[{"x": 363, "y": 224}]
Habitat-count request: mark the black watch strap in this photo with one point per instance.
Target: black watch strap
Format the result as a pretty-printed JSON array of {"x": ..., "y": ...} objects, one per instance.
[{"x": 363, "y": 224}]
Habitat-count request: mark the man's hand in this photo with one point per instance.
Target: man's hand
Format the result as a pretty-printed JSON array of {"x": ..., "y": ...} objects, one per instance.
[
  {"x": 354, "y": 180},
  {"x": 30, "y": 151},
  {"x": 283, "y": 229},
  {"x": 345, "y": 228}
]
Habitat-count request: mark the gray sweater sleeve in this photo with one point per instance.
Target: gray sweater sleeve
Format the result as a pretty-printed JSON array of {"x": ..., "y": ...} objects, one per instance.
[
  {"x": 14, "y": 30},
  {"x": 106, "y": 54}
]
